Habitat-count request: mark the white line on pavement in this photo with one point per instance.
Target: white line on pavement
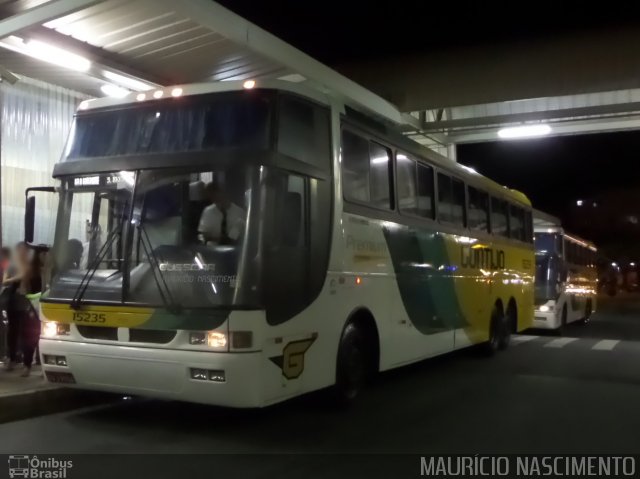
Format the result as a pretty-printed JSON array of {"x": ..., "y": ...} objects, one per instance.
[
  {"x": 606, "y": 344},
  {"x": 523, "y": 338},
  {"x": 559, "y": 342}
]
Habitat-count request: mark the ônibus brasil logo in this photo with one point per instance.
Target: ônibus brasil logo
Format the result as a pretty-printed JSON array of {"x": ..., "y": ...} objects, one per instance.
[{"x": 36, "y": 468}]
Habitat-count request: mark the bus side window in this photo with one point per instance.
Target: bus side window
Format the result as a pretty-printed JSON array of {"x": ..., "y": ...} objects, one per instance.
[
  {"x": 499, "y": 218},
  {"x": 478, "y": 209},
  {"x": 415, "y": 187},
  {"x": 459, "y": 210},
  {"x": 445, "y": 198},
  {"x": 366, "y": 168},
  {"x": 517, "y": 222}
]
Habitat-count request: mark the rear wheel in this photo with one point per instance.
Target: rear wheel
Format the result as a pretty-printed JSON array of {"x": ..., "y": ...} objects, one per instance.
[
  {"x": 351, "y": 368},
  {"x": 499, "y": 334}
]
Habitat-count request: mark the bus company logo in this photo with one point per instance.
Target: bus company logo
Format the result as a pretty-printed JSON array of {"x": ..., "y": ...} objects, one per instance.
[
  {"x": 33, "y": 467},
  {"x": 482, "y": 258},
  {"x": 291, "y": 362}
]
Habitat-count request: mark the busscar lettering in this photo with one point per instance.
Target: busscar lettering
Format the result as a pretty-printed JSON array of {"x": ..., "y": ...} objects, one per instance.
[{"x": 482, "y": 258}]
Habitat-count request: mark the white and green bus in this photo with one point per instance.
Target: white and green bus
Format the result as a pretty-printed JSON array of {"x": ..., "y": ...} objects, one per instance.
[{"x": 239, "y": 247}]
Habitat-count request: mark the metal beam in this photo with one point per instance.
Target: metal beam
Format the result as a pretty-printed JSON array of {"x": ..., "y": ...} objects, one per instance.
[
  {"x": 485, "y": 121},
  {"x": 42, "y": 14},
  {"x": 577, "y": 127}
]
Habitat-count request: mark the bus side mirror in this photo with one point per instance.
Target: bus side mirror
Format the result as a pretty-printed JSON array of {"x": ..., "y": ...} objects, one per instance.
[
  {"x": 30, "y": 211},
  {"x": 29, "y": 219}
]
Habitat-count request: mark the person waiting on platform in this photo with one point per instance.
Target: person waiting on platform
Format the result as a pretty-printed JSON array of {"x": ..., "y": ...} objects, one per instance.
[{"x": 222, "y": 222}]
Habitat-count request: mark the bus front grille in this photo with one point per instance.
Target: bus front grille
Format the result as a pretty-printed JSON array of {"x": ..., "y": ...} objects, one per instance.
[
  {"x": 98, "y": 332},
  {"x": 157, "y": 336},
  {"x": 154, "y": 336}
]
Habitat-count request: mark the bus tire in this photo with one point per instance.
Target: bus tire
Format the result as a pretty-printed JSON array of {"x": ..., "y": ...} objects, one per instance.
[
  {"x": 588, "y": 310},
  {"x": 563, "y": 321},
  {"x": 351, "y": 367},
  {"x": 510, "y": 325},
  {"x": 498, "y": 327}
]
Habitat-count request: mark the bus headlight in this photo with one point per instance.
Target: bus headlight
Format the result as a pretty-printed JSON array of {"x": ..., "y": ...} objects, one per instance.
[
  {"x": 544, "y": 308},
  {"x": 51, "y": 329},
  {"x": 216, "y": 339}
]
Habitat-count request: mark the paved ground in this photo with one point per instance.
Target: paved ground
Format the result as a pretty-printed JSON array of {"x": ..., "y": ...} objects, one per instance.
[{"x": 546, "y": 394}]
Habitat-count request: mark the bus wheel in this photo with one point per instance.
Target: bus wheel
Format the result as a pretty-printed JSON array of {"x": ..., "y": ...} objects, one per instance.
[
  {"x": 351, "y": 368},
  {"x": 563, "y": 321},
  {"x": 510, "y": 325},
  {"x": 587, "y": 312},
  {"x": 497, "y": 330}
]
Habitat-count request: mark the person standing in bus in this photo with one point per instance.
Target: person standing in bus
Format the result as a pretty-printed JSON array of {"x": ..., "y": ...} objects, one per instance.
[{"x": 222, "y": 221}]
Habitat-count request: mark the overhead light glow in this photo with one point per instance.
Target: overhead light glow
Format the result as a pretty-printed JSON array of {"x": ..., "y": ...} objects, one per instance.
[
  {"x": 158, "y": 94},
  {"x": 127, "y": 82},
  {"x": 249, "y": 84},
  {"x": 141, "y": 97},
  {"x": 84, "y": 105},
  {"x": 114, "y": 91},
  {"x": 57, "y": 56},
  {"x": 176, "y": 92},
  {"x": 579, "y": 202},
  {"x": 525, "y": 131}
]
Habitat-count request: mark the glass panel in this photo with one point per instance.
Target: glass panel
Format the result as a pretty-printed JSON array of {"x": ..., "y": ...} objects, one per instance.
[
  {"x": 89, "y": 238},
  {"x": 303, "y": 131},
  {"x": 406, "y": 171},
  {"x": 499, "y": 219},
  {"x": 478, "y": 210},
  {"x": 445, "y": 198},
  {"x": 458, "y": 208},
  {"x": 188, "y": 237},
  {"x": 425, "y": 191},
  {"x": 380, "y": 183},
  {"x": 516, "y": 222},
  {"x": 355, "y": 167},
  {"x": 195, "y": 123}
]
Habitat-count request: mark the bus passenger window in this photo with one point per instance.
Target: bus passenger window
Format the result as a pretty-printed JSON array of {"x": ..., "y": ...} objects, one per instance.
[
  {"x": 458, "y": 209},
  {"x": 425, "y": 191},
  {"x": 499, "y": 219},
  {"x": 366, "y": 167},
  {"x": 478, "y": 210},
  {"x": 379, "y": 180},
  {"x": 415, "y": 187},
  {"x": 445, "y": 198},
  {"x": 516, "y": 222},
  {"x": 355, "y": 167}
]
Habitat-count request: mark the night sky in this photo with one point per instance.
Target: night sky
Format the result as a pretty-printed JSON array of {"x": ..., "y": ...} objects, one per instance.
[{"x": 553, "y": 172}]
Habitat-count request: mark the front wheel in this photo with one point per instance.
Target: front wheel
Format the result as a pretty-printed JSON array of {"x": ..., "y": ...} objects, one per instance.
[{"x": 351, "y": 368}]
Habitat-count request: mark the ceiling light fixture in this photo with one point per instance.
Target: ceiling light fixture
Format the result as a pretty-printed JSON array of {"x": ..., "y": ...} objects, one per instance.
[
  {"x": 57, "y": 56},
  {"x": 114, "y": 91},
  {"x": 525, "y": 131}
]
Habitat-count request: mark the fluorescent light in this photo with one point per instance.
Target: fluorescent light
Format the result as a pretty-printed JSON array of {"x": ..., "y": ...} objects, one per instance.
[
  {"x": 55, "y": 55},
  {"x": 525, "y": 131},
  {"x": 249, "y": 84},
  {"x": 379, "y": 160},
  {"x": 126, "y": 82},
  {"x": 141, "y": 97},
  {"x": 158, "y": 94},
  {"x": 176, "y": 92},
  {"x": 114, "y": 91}
]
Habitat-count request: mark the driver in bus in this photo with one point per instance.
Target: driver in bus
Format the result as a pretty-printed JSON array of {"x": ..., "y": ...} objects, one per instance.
[{"x": 222, "y": 221}]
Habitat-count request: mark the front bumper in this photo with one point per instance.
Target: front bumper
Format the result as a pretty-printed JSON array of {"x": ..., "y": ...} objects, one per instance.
[{"x": 159, "y": 373}]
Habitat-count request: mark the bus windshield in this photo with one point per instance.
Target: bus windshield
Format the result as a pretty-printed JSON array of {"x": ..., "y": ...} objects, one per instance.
[
  {"x": 548, "y": 276},
  {"x": 165, "y": 237}
]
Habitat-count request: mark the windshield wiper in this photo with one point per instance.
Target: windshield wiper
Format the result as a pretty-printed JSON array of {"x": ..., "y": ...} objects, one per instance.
[
  {"x": 166, "y": 296},
  {"x": 92, "y": 268}
]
